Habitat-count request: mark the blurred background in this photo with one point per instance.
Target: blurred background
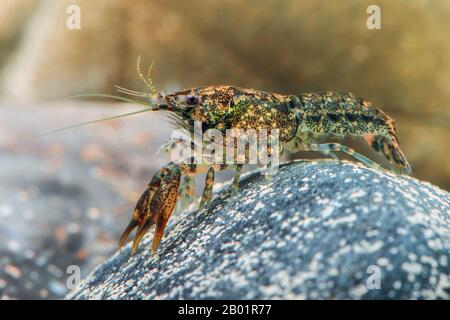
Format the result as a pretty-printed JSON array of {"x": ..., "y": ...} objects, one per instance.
[{"x": 65, "y": 198}]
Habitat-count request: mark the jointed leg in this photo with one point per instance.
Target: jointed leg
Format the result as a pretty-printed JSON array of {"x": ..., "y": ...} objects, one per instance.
[
  {"x": 209, "y": 183},
  {"x": 187, "y": 192},
  {"x": 330, "y": 154},
  {"x": 237, "y": 176},
  {"x": 300, "y": 146},
  {"x": 207, "y": 191},
  {"x": 327, "y": 147}
]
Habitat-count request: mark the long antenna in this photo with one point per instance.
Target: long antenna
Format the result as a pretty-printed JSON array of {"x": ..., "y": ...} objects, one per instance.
[
  {"x": 98, "y": 120},
  {"x": 147, "y": 81},
  {"x": 100, "y": 95}
]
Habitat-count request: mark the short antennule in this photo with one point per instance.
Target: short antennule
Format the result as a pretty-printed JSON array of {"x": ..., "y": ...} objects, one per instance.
[
  {"x": 131, "y": 92},
  {"x": 146, "y": 80}
]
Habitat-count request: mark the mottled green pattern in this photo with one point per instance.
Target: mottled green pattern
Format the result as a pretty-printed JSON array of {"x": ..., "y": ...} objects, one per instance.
[{"x": 341, "y": 114}]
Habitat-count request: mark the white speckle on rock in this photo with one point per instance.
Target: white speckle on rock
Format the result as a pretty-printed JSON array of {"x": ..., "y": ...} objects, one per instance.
[
  {"x": 383, "y": 262},
  {"x": 367, "y": 247},
  {"x": 346, "y": 220},
  {"x": 259, "y": 206},
  {"x": 429, "y": 260},
  {"x": 377, "y": 197},
  {"x": 357, "y": 194},
  {"x": 327, "y": 211},
  {"x": 358, "y": 291},
  {"x": 372, "y": 233},
  {"x": 443, "y": 261},
  {"x": 414, "y": 268},
  {"x": 417, "y": 217},
  {"x": 309, "y": 235}
]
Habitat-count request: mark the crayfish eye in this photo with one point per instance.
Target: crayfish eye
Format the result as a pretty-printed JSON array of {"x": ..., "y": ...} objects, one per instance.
[{"x": 192, "y": 100}]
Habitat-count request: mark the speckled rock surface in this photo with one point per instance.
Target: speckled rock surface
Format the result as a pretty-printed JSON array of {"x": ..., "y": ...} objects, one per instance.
[{"x": 316, "y": 230}]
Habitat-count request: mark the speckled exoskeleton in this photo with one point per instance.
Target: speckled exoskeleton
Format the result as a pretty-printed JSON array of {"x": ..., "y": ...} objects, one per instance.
[{"x": 303, "y": 121}]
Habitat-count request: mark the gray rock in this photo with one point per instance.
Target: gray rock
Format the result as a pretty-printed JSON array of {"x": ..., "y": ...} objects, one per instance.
[{"x": 316, "y": 230}]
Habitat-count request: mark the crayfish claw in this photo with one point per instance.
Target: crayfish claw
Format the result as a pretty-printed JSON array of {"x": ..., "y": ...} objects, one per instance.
[
  {"x": 159, "y": 231},
  {"x": 141, "y": 212},
  {"x": 154, "y": 206},
  {"x": 140, "y": 233},
  {"x": 124, "y": 237},
  {"x": 164, "y": 201}
]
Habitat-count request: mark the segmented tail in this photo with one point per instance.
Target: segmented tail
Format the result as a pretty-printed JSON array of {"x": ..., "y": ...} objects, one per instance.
[{"x": 390, "y": 148}]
